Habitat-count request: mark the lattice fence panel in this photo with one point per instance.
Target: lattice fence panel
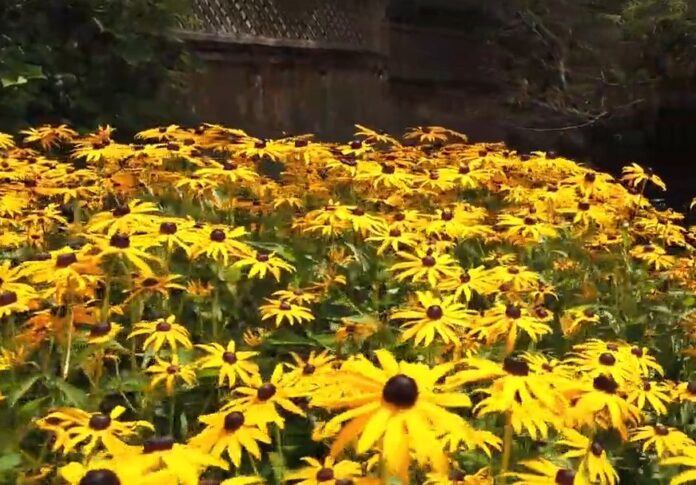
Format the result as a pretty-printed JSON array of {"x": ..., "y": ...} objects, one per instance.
[{"x": 344, "y": 22}]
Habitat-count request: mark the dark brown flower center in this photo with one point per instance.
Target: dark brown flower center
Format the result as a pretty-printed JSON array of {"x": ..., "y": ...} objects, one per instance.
[
  {"x": 463, "y": 170},
  {"x": 428, "y": 261},
  {"x": 228, "y": 166},
  {"x": 637, "y": 351},
  {"x": 119, "y": 241},
  {"x": 8, "y": 298},
  {"x": 168, "y": 228},
  {"x": 229, "y": 357},
  {"x": 121, "y": 211},
  {"x": 583, "y": 206},
  {"x": 301, "y": 143},
  {"x": 262, "y": 257},
  {"x": 590, "y": 177},
  {"x": 434, "y": 312},
  {"x": 465, "y": 278},
  {"x": 358, "y": 212},
  {"x": 605, "y": 384},
  {"x": 513, "y": 270},
  {"x": 172, "y": 369},
  {"x": 399, "y": 217},
  {"x": 647, "y": 386},
  {"x": 99, "y": 422},
  {"x": 163, "y": 327},
  {"x": 158, "y": 443},
  {"x": 661, "y": 430},
  {"x": 434, "y": 175},
  {"x": 516, "y": 367},
  {"x": 285, "y": 306},
  {"x": 234, "y": 421},
  {"x": 100, "y": 477},
  {"x": 596, "y": 449},
  {"x": 344, "y": 481},
  {"x": 65, "y": 260},
  {"x": 447, "y": 215},
  {"x": 513, "y": 311},
  {"x": 565, "y": 476},
  {"x": 217, "y": 235},
  {"x": 266, "y": 391},
  {"x": 456, "y": 475},
  {"x": 100, "y": 329},
  {"x": 308, "y": 369},
  {"x": 388, "y": 169},
  {"x": 394, "y": 233},
  {"x": 613, "y": 347},
  {"x": 325, "y": 474},
  {"x": 589, "y": 312},
  {"x": 400, "y": 391},
  {"x": 150, "y": 282},
  {"x": 607, "y": 359}
]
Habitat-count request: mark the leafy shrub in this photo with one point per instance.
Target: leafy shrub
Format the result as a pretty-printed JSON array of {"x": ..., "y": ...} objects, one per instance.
[{"x": 90, "y": 61}]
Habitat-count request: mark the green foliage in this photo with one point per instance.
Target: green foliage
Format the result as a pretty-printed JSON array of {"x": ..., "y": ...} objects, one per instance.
[
  {"x": 87, "y": 62},
  {"x": 592, "y": 57}
]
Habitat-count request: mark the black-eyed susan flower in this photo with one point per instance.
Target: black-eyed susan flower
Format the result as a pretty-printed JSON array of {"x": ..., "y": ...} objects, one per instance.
[
  {"x": 112, "y": 472},
  {"x": 399, "y": 405},
  {"x": 261, "y": 263},
  {"x": 506, "y": 321},
  {"x": 182, "y": 463},
  {"x": 424, "y": 265},
  {"x": 634, "y": 175},
  {"x": 282, "y": 311},
  {"x": 545, "y": 472},
  {"x": 228, "y": 433},
  {"x": 230, "y": 363},
  {"x": 161, "y": 332},
  {"x": 170, "y": 372},
  {"x": 430, "y": 316},
  {"x": 260, "y": 403},
  {"x": 327, "y": 472},
  {"x": 594, "y": 461},
  {"x": 220, "y": 243},
  {"x": 663, "y": 440},
  {"x": 74, "y": 427}
]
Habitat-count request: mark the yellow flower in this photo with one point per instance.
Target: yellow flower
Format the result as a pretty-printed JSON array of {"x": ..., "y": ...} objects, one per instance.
[
  {"x": 230, "y": 363},
  {"x": 357, "y": 328},
  {"x": 687, "y": 459},
  {"x": 328, "y": 472},
  {"x": 259, "y": 403},
  {"x": 220, "y": 243},
  {"x": 169, "y": 372},
  {"x": 261, "y": 262},
  {"x": 544, "y": 472},
  {"x": 227, "y": 432},
  {"x": 398, "y": 404},
  {"x": 254, "y": 337},
  {"x": 634, "y": 175},
  {"x": 432, "y": 316},
  {"x": 162, "y": 331},
  {"x": 594, "y": 464},
  {"x": 113, "y": 471},
  {"x": 506, "y": 322},
  {"x": 426, "y": 266},
  {"x": 664, "y": 440},
  {"x": 283, "y": 311},
  {"x": 49, "y": 136},
  {"x": 74, "y": 427}
]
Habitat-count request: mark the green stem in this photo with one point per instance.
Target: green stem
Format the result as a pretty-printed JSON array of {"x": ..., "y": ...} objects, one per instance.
[
  {"x": 507, "y": 446},
  {"x": 68, "y": 345},
  {"x": 172, "y": 413}
]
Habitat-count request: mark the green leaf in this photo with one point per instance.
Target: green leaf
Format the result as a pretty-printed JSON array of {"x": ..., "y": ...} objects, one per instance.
[
  {"x": 22, "y": 389},
  {"x": 8, "y": 461},
  {"x": 31, "y": 409},
  {"x": 74, "y": 395}
]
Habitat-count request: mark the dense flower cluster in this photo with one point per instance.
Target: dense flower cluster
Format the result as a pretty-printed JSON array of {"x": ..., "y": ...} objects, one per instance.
[{"x": 203, "y": 306}]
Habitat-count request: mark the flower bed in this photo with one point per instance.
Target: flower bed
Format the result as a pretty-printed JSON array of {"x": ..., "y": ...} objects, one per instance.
[{"x": 201, "y": 305}]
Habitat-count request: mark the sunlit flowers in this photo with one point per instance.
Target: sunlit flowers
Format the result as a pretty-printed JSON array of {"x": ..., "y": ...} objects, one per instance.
[{"x": 162, "y": 332}]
